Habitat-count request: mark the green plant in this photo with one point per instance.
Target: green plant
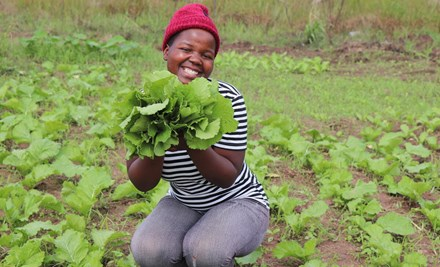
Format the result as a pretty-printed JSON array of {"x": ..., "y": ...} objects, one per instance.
[
  {"x": 85, "y": 194},
  {"x": 165, "y": 108},
  {"x": 352, "y": 135},
  {"x": 292, "y": 248},
  {"x": 314, "y": 33}
]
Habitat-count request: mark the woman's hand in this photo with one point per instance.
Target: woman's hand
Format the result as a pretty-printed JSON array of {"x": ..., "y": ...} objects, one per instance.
[
  {"x": 219, "y": 166},
  {"x": 181, "y": 145}
]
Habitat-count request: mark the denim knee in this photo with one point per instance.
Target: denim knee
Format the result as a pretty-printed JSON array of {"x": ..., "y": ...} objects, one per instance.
[
  {"x": 150, "y": 253},
  {"x": 203, "y": 253}
]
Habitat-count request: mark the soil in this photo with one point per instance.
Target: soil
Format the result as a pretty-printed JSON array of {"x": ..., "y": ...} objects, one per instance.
[
  {"x": 353, "y": 58},
  {"x": 360, "y": 58},
  {"x": 336, "y": 249}
]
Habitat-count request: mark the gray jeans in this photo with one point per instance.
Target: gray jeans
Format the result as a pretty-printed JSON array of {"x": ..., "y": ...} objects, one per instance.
[{"x": 175, "y": 235}]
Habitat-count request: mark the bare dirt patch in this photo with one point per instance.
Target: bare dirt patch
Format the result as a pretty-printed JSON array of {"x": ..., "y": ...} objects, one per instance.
[
  {"x": 52, "y": 185},
  {"x": 340, "y": 252},
  {"x": 343, "y": 126}
]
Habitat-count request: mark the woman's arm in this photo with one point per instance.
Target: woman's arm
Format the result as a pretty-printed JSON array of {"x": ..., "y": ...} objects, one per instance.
[
  {"x": 144, "y": 173},
  {"x": 219, "y": 166}
]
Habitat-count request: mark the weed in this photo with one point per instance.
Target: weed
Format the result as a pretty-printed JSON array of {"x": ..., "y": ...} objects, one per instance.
[{"x": 314, "y": 33}]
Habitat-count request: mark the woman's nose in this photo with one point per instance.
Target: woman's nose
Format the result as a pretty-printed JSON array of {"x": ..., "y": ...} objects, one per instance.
[{"x": 195, "y": 59}]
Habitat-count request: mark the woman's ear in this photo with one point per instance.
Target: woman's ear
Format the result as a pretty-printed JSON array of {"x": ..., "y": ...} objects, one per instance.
[{"x": 165, "y": 53}]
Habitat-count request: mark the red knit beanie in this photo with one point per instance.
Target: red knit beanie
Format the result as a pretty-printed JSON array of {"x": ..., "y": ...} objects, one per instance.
[{"x": 188, "y": 17}]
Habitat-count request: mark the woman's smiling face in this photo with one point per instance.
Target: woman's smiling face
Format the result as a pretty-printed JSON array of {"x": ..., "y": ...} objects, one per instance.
[{"x": 191, "y": 54}]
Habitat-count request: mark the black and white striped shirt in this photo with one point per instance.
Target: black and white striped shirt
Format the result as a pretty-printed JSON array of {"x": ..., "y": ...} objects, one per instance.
[{"x": 188, "y": 185}]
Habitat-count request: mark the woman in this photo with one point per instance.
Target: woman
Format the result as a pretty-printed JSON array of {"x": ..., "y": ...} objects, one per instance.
[{"x": 216, "y": 209}]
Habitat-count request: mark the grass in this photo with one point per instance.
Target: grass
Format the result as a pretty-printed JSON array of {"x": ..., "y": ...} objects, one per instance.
[
  {"x": 273, "y": 22},
  {"x": 330, "y": 96},
  {"x": 366, "y": 84},
  {"x": 323, "y": 97}
]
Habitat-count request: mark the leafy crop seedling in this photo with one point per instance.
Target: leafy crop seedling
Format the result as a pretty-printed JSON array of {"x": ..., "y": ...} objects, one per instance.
[{"x": 165, "y": 110}]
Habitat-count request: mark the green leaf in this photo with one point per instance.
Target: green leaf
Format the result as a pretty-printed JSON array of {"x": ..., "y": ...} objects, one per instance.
[
  {"x": 418, "y": 150},
  {"x": 108, "y": 142},
  {"x": 373, "y": 207},
  {"x": 126, "y": 261},
  {"x": 158, "y": 193},
  {"x": 168, "y": 107},
  {"x": 99, "y": 129},
  {"x": 43, "y": 149},
  {"x": 389, "y": 181},
  {"x": 286, "y": 204},
  {"x": 153, "y": 108},
  {"x": 82, "y": 197},
  {"x": 140, "y": 124},
  {"x": 381, "y": 167},
  {"x": 38, "y": 174},
  {"x": 19, "y": 204},
  {"x": 71, "y": 247},
  {"x": 71, "y": 150},
  {"x": 141, "y": 207},
  {"x": 49, "y": 201},
  {"x": 102, "y": 237},
  {"x": 74, "y": 222},
  {"x": 396, "y": 224},
  {"x": 12, "y": 240},
  {"x": 210, "y": 131},
  {"x": 251, "y": 258},
  {"x": 286, "y": 249},
  {"x": 274, "y": 135},
  {"x": 128, "y": 121},
  {"x": 292, "y": 248},
  {"x": 361, "y": 189},
  {"x": 64, "y": 166},
  {"x": 79, "y": 113},
  {"x": 77, "y": 198},
  {"x": 418, "y": 168},
  {"x": 298, "y": 145},
  {"x": 433, "y": 216},
  {"x": 414, "y": 259},
  {"x": 93, "y": 259},
  {"x": 21, "y": 132},
  {"x": 316, "y": 210},
  {"x": 31, "y": 229},
  {"x": 390, "y": 141},
  {"x": 28, "y": 255},
  {"x": 314, "y": 263},
  {"x": 432, "y": 142},
  {"x": 125, "y": 190},
  {"x": 370, "y": 134},
  {"x": 354, "y": 204},
  {"x": 353, "y": 150},
  {"x": 387, "y": 251},
  {"x": 409, "y": 188}
]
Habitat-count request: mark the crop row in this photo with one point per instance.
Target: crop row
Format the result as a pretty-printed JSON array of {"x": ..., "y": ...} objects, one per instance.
[
  {"x": 60, "y": 122},
  {"x": 404, "y": 162}
]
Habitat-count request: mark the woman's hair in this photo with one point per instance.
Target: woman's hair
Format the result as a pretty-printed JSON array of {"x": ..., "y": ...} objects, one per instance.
[{"x": 189, "y": 17}]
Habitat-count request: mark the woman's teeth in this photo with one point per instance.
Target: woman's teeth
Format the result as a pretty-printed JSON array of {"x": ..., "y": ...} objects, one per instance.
[{"x": 190, "y": 71}]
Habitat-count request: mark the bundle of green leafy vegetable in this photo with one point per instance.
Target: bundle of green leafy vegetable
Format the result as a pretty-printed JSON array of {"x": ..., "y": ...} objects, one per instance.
[{"x": 165, "y": 108}]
